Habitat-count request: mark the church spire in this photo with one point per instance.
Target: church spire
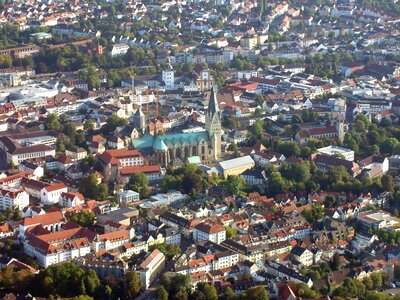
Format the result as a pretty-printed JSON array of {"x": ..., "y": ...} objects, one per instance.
[{"x": 213, "y": 103}]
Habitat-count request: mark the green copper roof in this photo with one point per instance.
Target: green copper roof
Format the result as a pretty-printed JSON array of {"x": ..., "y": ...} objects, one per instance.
[
  {"x": 146, "y": 141},
  {"x": 159, "y": 145},
  {"x": 161, "y": 142},
  {"x": 194, "y": 160}
]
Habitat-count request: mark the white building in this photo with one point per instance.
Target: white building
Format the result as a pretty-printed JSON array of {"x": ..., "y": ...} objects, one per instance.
[
  {"x": 128, "y": 196},
  {"x": 71, "y": 199},
  {"x": 377, "y": 219},
  {"x": 119, "y": 49},
  {"x": 347, "y": 154},
  {"x": 151, "y": 267},
  {"x": 56, "y": 247},
  {"x": 209, "y": 231},
  {"x": 51, "y": 194},
  {"x": 168, "y": 76},
  {"x": 12, "y": 198},
  {"x": 302, "y": 255},
  {"x": 111, "y": 240},
  {"x": 52, "y": 221}
]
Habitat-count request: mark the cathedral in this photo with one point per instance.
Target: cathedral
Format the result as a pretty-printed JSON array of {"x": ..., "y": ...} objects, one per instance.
[{"x": 166, "y": 148}]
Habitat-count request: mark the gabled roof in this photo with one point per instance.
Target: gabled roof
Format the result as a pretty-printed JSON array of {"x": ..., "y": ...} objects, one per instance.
[{"x": 46, "y": 219}]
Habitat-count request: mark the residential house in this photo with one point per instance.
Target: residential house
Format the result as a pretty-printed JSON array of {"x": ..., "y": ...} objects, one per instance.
[{"x": 209, "y": 231}]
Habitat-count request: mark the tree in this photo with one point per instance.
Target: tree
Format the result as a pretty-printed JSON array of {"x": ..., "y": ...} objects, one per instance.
[
  {"x": 305, "y": 292},
  {"x": 92, "y": 282},
  {"x": 88, "y": 162},
  {"x": 232, "y": 147},
  {"x": 169, "y": 250},
  {"x": 161, "y": 293},
  {"x": 229, "y": 294},
  {"x": 52, "y": 122},
  {"x": 359, "y": 126},
  {"x": 70, "y": 130},
  {"x": 387, "y": 183},
  {"x": 314, "y": 214},
  {"x": 179, "y": 283},
  {"x": 139, "y": 182},
  {"x": 88, "y": 125},
  {"x": 230, "y": 232},
  {"x": 132, "y": 285},
  {"x": 90, "y": 188},
  {"x": 112, "y": 123},
  {"x": 209, "y": 291},
  {"x": 258, "y": 128},
  {"x": 192, "y": 184},
  {"x": 65, "y": 280},
  {"x": 5, "y": 61},
  {"x": 289, "y": 149},
  {"x": 170, "y": 182},
  {"x": 235, "y": 184},
  {"x": 85, "y": 218},
  {"x": 335, "y": 263},
  {"x": 376, "y": 280},
  {"x": 256, "y": 292},
  {"x": 369, "y": 285}
]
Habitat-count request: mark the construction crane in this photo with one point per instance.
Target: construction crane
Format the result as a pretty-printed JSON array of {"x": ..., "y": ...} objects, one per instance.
[
  {"x": 147, "y": 103},
  {"x": 132, "y": 78},
  {"x": 156, "y": 104}
]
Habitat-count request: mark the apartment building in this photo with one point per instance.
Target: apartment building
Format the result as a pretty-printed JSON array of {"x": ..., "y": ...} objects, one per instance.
[
  {"x": 13, "y": 198},
  {"x": 57, "y": 247},
  {"x": 115, "y": 159},
  {"x": 209, "y": 231},
  {"x": 151, "y": 267}
]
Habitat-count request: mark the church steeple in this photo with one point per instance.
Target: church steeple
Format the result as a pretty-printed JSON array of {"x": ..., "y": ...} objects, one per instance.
[
  {"x": 213, "y": 124},
  {"x": 213, "y": 103}
]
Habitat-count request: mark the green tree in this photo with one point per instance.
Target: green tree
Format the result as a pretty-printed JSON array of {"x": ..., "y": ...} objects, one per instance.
[
  {"x": 315, "y": 214},
  {"x": 88, "y": 125},
  {"x": 230, "y": 232},
  {"x": 235, "y": 184},
  {"x": 170, "y": 182},
  {"x": 335, "y": 263},
  {"x": 169, "y": 250},
  {"x": 179, "y": 283},
  {"x": 132, "y": 285},
  {"x": 91, "y": 189},
  {"x": 5, "y": 61},
  {"x": 139, "y": 182},
  {"x": 192, "y": 184},
  {"x": 376, "y": 280},
  {"x": 52, "y": 122},
  {"x": 112, "y": 123},
  {"x": 161, "y": 293},
  {"x": 209, "y": 291},
  {"x": 387, "y": 183},
  {"x": 92, "y": 282},
  {"x": 229, "y": 294},
  {"x": 85, "y": 218},
  {"x": 258, "y": 128},
  {"x": 256, "y": 292},
  {"x": 359, "y": 126}
]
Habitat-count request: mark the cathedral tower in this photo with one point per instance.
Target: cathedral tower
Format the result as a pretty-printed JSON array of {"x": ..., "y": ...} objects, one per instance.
[{"x": 213, "y": 125}]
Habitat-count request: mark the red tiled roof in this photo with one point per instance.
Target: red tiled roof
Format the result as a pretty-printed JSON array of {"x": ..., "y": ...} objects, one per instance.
[
  {"x": 55, "y": 187},
  {"x": 46, "y": 219},
  {"x": 140, "y": 169},
  {"x": 114, "y": 236},
  {"x": 210, "y": 227}
]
